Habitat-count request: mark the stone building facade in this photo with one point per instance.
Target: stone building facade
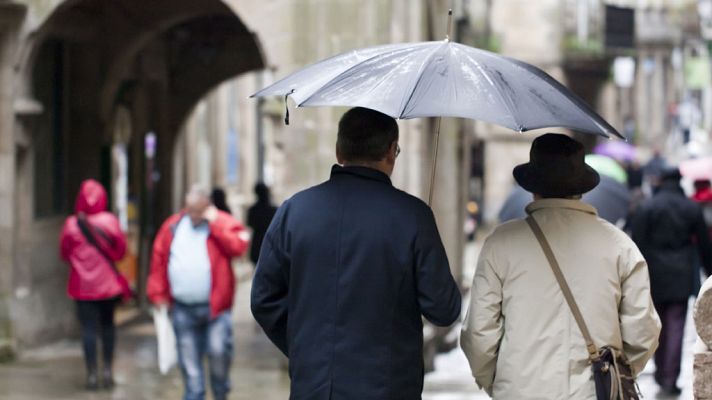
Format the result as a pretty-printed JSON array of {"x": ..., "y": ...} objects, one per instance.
[
  {"x": 79, "y": 77},
  {"x": 150, "y": 96},
  {"x": 103, "y": 89}
]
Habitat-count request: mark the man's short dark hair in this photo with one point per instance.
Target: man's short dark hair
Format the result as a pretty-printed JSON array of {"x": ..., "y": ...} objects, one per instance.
[{"x": 365, "y": 135}]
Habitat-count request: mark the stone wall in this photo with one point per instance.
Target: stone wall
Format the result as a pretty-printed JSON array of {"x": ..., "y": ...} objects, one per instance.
[
  {"x": 10, "y": 16},
  {"x": 702, "y": 386}
]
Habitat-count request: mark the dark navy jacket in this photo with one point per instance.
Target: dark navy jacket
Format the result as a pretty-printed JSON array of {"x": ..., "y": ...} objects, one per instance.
[
  {"x": 345, "y": 272},
  {"x": 671, "y": 233}
]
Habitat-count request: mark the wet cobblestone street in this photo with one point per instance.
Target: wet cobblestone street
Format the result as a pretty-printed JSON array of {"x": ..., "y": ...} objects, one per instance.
[{"x": 57, "y": 371}]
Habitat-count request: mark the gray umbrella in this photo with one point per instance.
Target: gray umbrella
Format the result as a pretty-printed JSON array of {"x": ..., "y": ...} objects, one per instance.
[
  {"x": 610, "y": 198},
  {"x": 441, "y": 79}
]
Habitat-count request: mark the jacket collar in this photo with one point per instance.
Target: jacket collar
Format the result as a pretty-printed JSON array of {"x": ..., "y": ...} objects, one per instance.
[
  {"x": 670, "y": 187},
  {"x": 576, "y": 205},
  {"x": 362, "y": 172}
]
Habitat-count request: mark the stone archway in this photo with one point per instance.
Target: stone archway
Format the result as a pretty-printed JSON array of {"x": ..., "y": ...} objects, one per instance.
[{"x": 153, "y": 60}]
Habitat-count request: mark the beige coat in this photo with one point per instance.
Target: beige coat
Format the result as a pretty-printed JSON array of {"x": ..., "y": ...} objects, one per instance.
[{"x": 519, "y": 335}]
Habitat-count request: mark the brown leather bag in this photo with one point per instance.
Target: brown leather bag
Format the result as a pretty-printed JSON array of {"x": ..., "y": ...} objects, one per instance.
[{"x": 612, "y": 373}]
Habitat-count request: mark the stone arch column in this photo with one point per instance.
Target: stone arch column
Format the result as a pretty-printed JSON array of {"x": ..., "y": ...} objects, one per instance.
[
  {"x": 153, "y": 58},
  {"x": 11, "y": 15}
]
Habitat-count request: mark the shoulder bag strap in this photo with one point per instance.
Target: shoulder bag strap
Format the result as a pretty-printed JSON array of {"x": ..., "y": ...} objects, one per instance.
[
  {"x": 86, "y": 229},
  {"x": 590, "y": 346}
]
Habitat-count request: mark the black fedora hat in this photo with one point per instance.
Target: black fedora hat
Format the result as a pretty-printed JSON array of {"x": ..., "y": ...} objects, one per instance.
[{"x": 556, "y": 168}]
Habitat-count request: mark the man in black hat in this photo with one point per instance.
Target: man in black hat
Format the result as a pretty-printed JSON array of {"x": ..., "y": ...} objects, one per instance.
[
  {"x": 348, "y": 269},
  {"x": 671, "y": 232},
  {"x": 519, "y": 324}
]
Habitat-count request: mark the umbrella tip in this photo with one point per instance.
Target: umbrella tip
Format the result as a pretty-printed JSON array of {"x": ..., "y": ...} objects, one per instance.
[{"x": 449, "y": 25}]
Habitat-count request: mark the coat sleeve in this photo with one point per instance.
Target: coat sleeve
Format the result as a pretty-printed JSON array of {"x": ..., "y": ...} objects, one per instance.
[
  {"x": 702, "y": 235},
  {"x": 158, "y": 287},
  {"x": 230, "y": 235},
  {"x": 639, "y": 227},
  {"x": 269, "y": 301},
  {"x": 639, "y": 322},
  {"x": 117, "y": 248},
  {"x": 65, "y": 241},
  {"x": 483, "y": 327},
  {"x": 438, "y": 294}
]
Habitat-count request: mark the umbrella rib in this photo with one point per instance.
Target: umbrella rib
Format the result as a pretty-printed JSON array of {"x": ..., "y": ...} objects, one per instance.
[
  {"x": 423, "y": 67},
  {"x": 572, "y": 97},
  {"x": 335, "y": 78},
  {"x": 520, "y": 127},
  {"x": 316, "y": 64}
]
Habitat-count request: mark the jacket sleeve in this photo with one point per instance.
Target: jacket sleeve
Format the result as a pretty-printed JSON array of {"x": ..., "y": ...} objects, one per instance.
[
  {"x": 639, "y": 322},
  {"x": 230, "y": 235},
  {"x": 639, "y": 227},
  {"x": 158, "y": 287},
  {"x": 703, "y": 242},
  {"x": 117, "y": 249},
  {"x": 269, "y": 302},
  {"x": 65, "y": 240},
  {"x": 483, "y": 327},
  {"x": 438, "y": 295}
]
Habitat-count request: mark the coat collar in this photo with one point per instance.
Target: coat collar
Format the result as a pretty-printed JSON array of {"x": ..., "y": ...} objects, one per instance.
[
  {"x": 363, "y": 172},
  {"x": 576, "y": 205},
  {"x": 670, "y": 187}
]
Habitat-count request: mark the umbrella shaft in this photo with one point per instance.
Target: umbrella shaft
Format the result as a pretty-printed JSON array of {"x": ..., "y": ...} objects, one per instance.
[
  {"x": 449, "y": 25},
  {"x": 435, "y": 161}
]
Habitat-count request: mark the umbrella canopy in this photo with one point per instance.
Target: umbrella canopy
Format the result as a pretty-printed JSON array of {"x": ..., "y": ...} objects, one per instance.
[
  {"x": 616, "y": 149},
  {"x": 441, "y": 79},
  {"x": 608, "y": 167},
  {"x": 610, "y": 198},
  {"x": 697, "y": 168}
]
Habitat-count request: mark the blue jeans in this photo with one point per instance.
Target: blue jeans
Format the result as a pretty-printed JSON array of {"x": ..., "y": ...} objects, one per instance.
[{"x": 196, "y": 335}]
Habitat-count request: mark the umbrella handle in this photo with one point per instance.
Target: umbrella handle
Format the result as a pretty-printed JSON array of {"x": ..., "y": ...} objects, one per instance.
[
  {"x": 435, "y": 162},
  {"x": 286, "y": 107}
]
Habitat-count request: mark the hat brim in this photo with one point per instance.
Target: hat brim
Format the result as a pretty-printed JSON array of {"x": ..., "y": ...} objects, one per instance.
[{"x": 546, "y": 184}]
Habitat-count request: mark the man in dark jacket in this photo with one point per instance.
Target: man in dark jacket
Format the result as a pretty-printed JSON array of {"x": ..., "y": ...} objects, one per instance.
[
  {"x": 259, "y": 216},
  {"x": 346, "y": 270},
  {"x": 669, "y": 229}
]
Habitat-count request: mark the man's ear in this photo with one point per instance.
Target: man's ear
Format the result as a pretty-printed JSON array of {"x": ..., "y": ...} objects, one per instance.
[
  {"x": 339, "y": 158},
  {"x": 391, "y": 154}
]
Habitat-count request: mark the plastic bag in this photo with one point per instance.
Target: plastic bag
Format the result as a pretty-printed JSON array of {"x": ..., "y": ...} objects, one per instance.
[{"x": 167, "y": 352}]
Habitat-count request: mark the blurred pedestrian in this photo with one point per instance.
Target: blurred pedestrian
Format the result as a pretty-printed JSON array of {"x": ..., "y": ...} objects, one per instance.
[
  {"x": 519, "y": 335},
  {"x": 654, "y": 168},
  {"x": 669, "y": 228},
  {"x": 346, "y": 270},
  {"x": 703, "y": 197},
  {"x": 259, "y": 216},
  {"x": 219, "y": 200},
  {"x": 703, "y": 191},
  {"x": 191, "y": 271},
  {"x": 635, "y": 174},
  {"x": 91, "y": 241}
]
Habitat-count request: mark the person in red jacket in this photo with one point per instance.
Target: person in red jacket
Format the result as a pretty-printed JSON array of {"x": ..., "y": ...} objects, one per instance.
[
  {"x": 191, "y": 272},
  {"x": 90, "y": 241}
]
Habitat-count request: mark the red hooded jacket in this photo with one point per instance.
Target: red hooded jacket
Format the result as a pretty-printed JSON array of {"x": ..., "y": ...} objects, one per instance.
[
  {"x": 91, "y": 276},
  {"x": 227, "y": 239},
  {"x": 703, "y": 196}
]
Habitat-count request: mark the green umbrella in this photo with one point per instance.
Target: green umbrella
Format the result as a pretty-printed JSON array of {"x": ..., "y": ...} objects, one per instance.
[{"x": 607, "y": 166}]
